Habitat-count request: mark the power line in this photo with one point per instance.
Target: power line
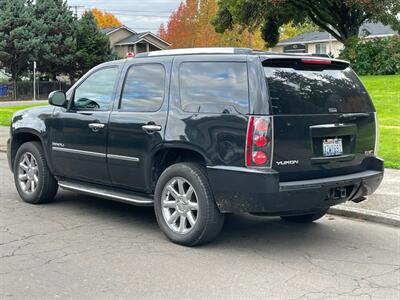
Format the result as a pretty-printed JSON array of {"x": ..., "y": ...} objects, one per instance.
[
  {"x": 128, "y": 10},
  {"x": 139, "y": 11},
  {"x": 149, "y": 16}
]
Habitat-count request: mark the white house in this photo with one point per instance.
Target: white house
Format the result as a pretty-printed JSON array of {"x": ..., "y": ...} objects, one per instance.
[{"x": 324, "y": 43}]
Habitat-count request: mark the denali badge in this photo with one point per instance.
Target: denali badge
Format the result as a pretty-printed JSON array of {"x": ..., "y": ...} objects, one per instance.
[
  {"x": 57, "y": 144},
  {"x": 287, "y": 162}
]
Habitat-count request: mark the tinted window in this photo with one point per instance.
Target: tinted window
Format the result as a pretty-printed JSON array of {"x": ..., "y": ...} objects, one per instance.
[
  {"x": 214, "y": 87},
  {"x": 297, "y": 91},
  {"x": 96, "y": 92},
  {"x": 144, "y": 88}
]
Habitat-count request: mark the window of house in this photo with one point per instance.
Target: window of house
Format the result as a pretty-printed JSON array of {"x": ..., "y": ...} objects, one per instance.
[
  {"x": 143, "y": 88},
  {"x": 321, "y": 49},
  {"x": 214, "y": 87}
]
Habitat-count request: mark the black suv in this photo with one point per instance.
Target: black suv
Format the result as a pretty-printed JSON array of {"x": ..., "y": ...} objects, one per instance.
[{"x": 204, "y": 132}]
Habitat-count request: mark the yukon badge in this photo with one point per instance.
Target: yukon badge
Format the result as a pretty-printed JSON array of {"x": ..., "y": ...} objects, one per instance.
[{"x": 287, "y": 162}]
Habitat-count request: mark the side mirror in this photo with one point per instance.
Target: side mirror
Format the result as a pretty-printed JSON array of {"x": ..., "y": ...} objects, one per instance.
[{"x": 58, "y": 98}]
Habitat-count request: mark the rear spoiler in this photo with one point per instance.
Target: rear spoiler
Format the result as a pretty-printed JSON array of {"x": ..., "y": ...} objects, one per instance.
[{"x": 305, "y": 63}]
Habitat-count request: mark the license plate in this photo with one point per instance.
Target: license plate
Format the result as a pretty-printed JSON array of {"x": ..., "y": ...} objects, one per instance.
[{"x": 332, "y": 147}]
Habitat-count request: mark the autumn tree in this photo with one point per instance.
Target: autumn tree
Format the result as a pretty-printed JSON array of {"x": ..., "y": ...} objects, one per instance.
[
  {"x": 190, "y": 25},
  {"x": 341, "y": 18},
  {"x": 105, "y": 19}
]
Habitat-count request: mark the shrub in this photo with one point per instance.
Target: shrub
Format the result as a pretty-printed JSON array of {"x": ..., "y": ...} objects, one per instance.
[{"x": 374, "y": 57}]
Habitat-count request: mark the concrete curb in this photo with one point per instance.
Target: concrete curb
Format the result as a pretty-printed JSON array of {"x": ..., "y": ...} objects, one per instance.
[{"x": 365, "y": 214}]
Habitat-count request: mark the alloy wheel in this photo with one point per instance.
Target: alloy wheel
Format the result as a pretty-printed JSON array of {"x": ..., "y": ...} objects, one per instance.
[
  {"x": 28, "y": 173},
  {"x": 180, "y": 207}
]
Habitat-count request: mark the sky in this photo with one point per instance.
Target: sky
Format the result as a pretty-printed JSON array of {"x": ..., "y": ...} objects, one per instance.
[{"x": 140, "y": 15}]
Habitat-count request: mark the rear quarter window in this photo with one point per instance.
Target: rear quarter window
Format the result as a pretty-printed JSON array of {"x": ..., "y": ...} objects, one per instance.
[
  {"x": 316, "y": 92},
  {"x": 214, "y": 87}
]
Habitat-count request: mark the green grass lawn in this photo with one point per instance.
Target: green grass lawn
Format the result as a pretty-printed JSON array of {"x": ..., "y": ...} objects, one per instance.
[
  {"x": 6, "y": 112},
  {"x": 384, "y": 91}
]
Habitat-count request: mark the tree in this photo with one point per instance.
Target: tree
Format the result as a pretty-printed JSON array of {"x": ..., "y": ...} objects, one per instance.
[
  {"x": 191, "y": 26},
  {"x": 93, "y": 46},
  {"x": 105, "y": 19},
  {"x": 58, "y": 43},
  {"x": 341, "y": 18},
  {"x": 19, "y": 42},
  {"x": 291, "y": 30}
]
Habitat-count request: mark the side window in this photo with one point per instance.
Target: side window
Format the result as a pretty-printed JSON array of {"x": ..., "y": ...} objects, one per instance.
[
  {"x": 143, "y": 88},
  {"x": 96, "y": 92},
  {"x": 214, "y": 87}
]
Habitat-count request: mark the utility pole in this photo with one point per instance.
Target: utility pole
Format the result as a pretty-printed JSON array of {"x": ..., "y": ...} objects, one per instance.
[
  {"x": 34, "y": 81},
  {"x": 75, "y": 7}
]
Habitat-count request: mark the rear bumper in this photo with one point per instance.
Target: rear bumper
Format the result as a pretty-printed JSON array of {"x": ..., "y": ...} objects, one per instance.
[{"x": 243, "y": 190}]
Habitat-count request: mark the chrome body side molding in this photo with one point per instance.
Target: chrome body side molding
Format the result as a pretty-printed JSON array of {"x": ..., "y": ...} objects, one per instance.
[
  {"x": 121, "y": 157},
  {"x": 96, "y": 154},
  {"x": 76, "y": 151}
]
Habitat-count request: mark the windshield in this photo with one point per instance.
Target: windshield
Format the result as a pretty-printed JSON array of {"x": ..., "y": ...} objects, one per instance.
[{"x": 316, "y": 92}]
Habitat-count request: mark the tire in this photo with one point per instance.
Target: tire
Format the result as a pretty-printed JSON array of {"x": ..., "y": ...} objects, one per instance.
[
  {"x": 43, "y": 186},
  {"x": 208, "y": 221},
  {"x": 305, "y": 218}
]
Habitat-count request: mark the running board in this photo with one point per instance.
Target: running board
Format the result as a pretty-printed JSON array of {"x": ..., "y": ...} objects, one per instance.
[{"x": 107, "y": 193}]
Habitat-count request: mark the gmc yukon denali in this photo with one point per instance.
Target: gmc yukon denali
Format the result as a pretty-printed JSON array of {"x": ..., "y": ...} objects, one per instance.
[{"x": 199, "y": 133}]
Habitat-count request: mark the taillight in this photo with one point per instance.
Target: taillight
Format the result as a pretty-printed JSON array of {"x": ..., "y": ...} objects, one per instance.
[{"x": 259, "y": 142}]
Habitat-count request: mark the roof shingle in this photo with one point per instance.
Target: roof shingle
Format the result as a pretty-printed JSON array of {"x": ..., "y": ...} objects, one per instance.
[{"x": 367, "y": 29}]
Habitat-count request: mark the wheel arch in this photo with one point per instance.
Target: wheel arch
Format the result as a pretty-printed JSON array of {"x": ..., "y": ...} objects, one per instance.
[
  {"x": 171, "y": 154},
  {"x": 24, "y": 135}
]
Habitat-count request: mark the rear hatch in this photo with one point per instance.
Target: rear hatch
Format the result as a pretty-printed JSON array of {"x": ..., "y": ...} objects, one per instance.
[{"x": 324, "y": 119}]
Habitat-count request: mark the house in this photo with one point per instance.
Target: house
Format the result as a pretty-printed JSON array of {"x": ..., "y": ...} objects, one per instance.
[
  {"x": 325, "y": 43},
  {"x": 123, "y": 40}
]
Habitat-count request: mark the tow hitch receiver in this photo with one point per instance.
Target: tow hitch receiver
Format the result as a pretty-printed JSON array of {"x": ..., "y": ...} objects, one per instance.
[{"x": 340, "y": 193}]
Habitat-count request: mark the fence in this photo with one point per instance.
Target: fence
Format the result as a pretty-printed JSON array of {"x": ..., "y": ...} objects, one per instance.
[{"x": 24, "y": 89}]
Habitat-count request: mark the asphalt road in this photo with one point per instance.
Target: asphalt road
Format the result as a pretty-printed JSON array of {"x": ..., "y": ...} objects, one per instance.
[{"x": 81, "y": 247}]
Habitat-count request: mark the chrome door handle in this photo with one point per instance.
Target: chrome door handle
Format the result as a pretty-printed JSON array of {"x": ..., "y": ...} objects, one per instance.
[
  {"x": 96, "y": 126},
  {"x": 151, "y": 128}
]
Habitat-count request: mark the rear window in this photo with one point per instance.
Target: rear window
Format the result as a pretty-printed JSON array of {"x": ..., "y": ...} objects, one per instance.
[
  {"x": 214, "y": 87},
  {"x": 316, "y": 92}
]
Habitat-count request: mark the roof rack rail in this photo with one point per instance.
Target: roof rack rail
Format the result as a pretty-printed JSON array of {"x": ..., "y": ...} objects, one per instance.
[{"x": 188, "y": 51}]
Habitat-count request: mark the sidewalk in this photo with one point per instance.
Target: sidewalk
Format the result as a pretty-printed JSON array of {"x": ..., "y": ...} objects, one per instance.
[
  {"x": 4, "y": 133},
  {"x": 22, "y": 102},
  {"x": 382, "y": 207}
]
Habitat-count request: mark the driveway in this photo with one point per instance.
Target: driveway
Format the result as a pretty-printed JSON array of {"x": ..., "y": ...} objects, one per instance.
[{"x": 82, "y": 247}]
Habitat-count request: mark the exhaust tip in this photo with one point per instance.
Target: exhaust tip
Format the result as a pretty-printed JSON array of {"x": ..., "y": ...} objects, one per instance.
[{"x": 358, "y": 200}]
